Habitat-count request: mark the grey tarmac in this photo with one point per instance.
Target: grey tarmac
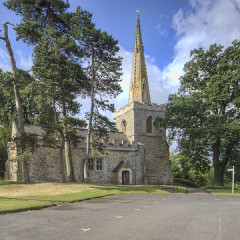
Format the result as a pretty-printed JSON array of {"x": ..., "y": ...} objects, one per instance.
[{"x": 130, "y": 216}]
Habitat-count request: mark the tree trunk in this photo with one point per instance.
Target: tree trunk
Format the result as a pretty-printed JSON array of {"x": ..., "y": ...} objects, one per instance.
[
  {"x": 18, "y": 102},
  {"x": 68, "y": 155},
  {"x": 61, "y": 162},
  {"x": 89, "y": 133},
  {"x": 218, "y": 166},
  {"x": 69, "y": 164}
]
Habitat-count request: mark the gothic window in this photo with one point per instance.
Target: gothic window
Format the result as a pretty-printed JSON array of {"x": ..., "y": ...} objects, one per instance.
[
  {"x": 99, "y": 165},
  {"x": 124, "y": 127},
  {"x": 90, "y": 163},
  {"x": 149, "y": 125}
]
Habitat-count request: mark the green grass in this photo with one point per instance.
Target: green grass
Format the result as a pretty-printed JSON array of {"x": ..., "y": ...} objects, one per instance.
[
  {"x": 99, "y": 191},
  {"x": 224, "y": 192},
  {"x": 13, "y": 205},
  {"x": 9, "y": 190}
]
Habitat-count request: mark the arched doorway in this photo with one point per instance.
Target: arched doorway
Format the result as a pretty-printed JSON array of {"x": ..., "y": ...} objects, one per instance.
[{"x": 125, "y": 177}]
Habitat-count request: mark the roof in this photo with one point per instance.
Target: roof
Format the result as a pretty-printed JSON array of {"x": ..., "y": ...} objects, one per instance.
[{"x": 122, "y": 164}]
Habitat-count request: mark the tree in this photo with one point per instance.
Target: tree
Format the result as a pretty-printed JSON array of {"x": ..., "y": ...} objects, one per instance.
[
  {"x": 48, "y": 21},
  {"x": 8, "y": 111},
  {"x": 38, "y": 16},
  {"x": 58, "y": 76},
  {"x": 184, "y": 167},
  {"x": 30, "y": 32},
  {"x": 17, "y": 96},
  {"x": 204, "y": 115},
  {"x": 104, "y": 71}
]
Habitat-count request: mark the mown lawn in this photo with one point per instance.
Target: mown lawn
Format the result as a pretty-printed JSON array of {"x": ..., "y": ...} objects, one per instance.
[
  {"x": 68, "y": 192},
  {"x": 224, "y": 192},
  {"x": 13, "y": 205}
]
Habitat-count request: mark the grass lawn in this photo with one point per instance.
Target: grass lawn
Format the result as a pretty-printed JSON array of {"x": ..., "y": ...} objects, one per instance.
[
  {"x": 63, "y": 192},
  {"x": 13, "y": 205},
  {"x": 67, "y": 192},
  {"x": 224, "y": 192}
]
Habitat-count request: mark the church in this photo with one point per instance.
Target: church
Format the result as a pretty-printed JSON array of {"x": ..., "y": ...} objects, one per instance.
[{"x": 136, "y": 154}]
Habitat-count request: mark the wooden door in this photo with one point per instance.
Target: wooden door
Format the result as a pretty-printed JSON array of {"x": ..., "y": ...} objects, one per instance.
[{"x": 125, "y": 177}]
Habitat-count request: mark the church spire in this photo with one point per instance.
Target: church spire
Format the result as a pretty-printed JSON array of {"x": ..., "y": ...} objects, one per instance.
[{"x": 139, "y": 89}]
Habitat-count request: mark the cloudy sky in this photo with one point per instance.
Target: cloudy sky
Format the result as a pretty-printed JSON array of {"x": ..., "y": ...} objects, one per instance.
[{"x": 170, "y": 29}]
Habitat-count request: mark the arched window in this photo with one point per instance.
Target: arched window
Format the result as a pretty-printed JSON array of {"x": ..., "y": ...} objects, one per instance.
[
  {"x": 149, "y": 125},
  {"x": 124, "y": 127}
]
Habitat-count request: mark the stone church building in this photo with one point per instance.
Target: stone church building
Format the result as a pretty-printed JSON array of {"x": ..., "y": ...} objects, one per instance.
[{"x": 136, "y": 154}]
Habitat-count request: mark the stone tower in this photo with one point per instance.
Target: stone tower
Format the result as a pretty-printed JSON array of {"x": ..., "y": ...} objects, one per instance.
[{"x": 135, "y": 120}]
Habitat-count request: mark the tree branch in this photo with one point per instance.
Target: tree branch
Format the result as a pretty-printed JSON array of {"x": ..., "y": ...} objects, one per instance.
[
  {"x": 9, "y": 24},
  {"x": 4, "y": 26}
]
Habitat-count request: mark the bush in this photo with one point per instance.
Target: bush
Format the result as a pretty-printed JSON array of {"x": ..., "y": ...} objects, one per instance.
[{"x": 186, "y": 182}]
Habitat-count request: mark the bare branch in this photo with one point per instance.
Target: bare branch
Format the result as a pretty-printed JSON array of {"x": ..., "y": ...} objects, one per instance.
[
  {"x": 9, "y": 24},
  {"x": 2, "y": 38}
]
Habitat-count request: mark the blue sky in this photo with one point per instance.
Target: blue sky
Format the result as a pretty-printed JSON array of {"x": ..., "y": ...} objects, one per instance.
[{"x": 170, "y": 29}]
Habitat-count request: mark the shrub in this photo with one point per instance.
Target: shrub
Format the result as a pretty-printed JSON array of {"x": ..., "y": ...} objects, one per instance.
[{"x": 186, "y": 182}]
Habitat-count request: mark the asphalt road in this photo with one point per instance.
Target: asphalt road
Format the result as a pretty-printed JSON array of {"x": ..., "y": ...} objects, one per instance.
[{"x": 132, "y": 216}]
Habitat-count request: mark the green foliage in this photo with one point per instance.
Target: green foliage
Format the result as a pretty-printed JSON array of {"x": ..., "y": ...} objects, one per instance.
[
  {"x": 203, "y": 117},
  {"x": 186, "y": 182},
  {"x": 5, "y": 134},
  {"x": 103, "y": 67},
  {"x": 38, "y": 16},
  {"x": 26, "y": 142},
  {"x": 183, "y": 167}
]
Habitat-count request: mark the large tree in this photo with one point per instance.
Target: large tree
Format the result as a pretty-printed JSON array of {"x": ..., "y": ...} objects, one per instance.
[
  {"x": 58, "y": 83},
  {"x": 17, "y": 96},
  {"x": 204, "y": 115},
  {"x": 45, "y": 24},
  {"x": 103, "y": 68}
]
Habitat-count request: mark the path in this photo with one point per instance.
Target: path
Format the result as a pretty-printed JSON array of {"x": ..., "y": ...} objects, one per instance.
[{"x": 130, "y": 216}]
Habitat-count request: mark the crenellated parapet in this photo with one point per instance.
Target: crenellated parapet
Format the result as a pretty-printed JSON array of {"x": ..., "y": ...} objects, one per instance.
[{"x": 121, "y": 146}]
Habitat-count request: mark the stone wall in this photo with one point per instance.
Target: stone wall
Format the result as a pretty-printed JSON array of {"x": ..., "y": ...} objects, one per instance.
[
  {"x": 44, "y": 164},
  {"x": 157, "y": 166}
]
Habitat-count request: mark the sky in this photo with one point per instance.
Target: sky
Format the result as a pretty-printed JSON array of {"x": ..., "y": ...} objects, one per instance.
[{"x": 170, "y": 30}]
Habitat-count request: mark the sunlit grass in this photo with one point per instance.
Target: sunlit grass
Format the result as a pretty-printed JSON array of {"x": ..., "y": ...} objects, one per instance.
[
  {"x": 68, "y": 192},
  {"x": 13, "y": 205},
  {"x": 224, "y": 192}
]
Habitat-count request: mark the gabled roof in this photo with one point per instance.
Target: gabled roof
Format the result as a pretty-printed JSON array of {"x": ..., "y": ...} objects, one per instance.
[{"x": 122, "y": 164}]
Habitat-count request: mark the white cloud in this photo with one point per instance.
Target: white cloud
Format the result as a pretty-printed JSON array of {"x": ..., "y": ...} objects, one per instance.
[
  {"x": 160, "y": 29},
  {"x": 207, "y": 23},
  {"x": 24, "y": 62},
  {"x": 4, "y": 61}
]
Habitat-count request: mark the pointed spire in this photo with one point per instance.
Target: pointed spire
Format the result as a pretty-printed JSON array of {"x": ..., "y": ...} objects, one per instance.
[{"x": 139, "y": 88}]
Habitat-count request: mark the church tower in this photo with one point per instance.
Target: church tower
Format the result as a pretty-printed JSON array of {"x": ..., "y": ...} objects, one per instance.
[{"x": 135, "y": 120}]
